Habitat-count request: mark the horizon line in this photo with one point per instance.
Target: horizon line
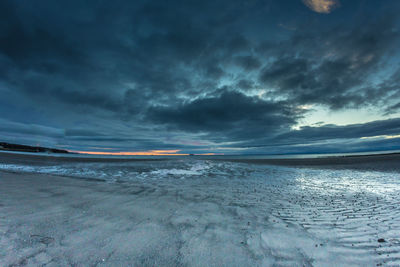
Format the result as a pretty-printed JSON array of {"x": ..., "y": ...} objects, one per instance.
[{"x": 142, "y": 153}]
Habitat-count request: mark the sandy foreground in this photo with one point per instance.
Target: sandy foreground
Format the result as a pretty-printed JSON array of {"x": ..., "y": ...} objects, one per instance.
[
  {"x": 198, "y": 213},
  {"x": 63, "y": 221}
]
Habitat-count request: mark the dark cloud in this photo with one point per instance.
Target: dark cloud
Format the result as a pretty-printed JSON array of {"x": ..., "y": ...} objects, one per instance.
[
  {"x": 231, "y": 113},
  {"x": 248, "y": 62},
  {"x": 30, "y": 129},
  {"x": 336, "y": 67},
  {"x": 154, "y": 74},
  {"x": 245, "y": 84},
  {"x": 333, "y": 146},
  {"x": 381, "y": 135},
  {"x": 327, "y": 132},
  {"x": 393, "y": 108}
]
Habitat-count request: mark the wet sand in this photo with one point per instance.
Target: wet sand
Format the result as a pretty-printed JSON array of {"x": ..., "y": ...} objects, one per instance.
[
  {"x": 209, "y": 213},
  {"x": 56, "y": 221}
]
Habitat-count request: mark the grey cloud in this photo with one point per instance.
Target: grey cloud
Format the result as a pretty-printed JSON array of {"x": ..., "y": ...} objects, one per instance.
[
  {"x": 29, "y": 129},
  {"x": 233, "y": 113},
  {"x": 245, "y": 84},
  {"x": 393, "y": 108},
  {"x": 190, "y": 69},
  {"x": 309, "y": 135},
  {"x": 248, "y": 62},
  {"x": 326, "y": 132},
  {"x": 334, "y": 68}
]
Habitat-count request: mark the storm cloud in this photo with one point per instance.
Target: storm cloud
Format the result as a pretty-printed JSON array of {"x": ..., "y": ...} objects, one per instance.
[
  {"x": 196, "y": 75},
  {"x": 230, "y": 113}
]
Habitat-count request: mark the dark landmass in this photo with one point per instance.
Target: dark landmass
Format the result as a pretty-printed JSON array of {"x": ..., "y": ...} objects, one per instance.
[{"x": 33, "y": 149}]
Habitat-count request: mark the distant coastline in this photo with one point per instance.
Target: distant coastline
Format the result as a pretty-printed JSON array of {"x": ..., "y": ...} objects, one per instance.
[
  {"x": 32, "y": 149},
  {"x": 11, "y": 147}
]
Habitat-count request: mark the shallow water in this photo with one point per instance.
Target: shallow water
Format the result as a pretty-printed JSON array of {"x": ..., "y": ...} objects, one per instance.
[{"x": 209, "y": 213}]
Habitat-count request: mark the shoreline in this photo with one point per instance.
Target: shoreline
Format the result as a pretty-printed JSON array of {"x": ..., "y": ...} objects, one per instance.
[
  {"x": 389, "y": 162},
  {"x": 294, "y": 217}
]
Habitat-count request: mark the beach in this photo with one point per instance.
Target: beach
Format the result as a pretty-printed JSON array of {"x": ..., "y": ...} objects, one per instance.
[{"x": 199, "y": 212}]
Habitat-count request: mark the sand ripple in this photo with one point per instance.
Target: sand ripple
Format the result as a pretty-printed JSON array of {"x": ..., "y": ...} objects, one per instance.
[{"x": 199, "y": 213}]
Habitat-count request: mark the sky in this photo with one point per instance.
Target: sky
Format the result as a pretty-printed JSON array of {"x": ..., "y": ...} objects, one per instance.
[{"x": 183, "y": 76}]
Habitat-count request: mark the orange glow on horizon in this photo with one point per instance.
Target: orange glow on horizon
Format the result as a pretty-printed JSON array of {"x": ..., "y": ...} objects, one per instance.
[
  {"x": 135, "y": 153},
  {"x": 142, "y": 153}
]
